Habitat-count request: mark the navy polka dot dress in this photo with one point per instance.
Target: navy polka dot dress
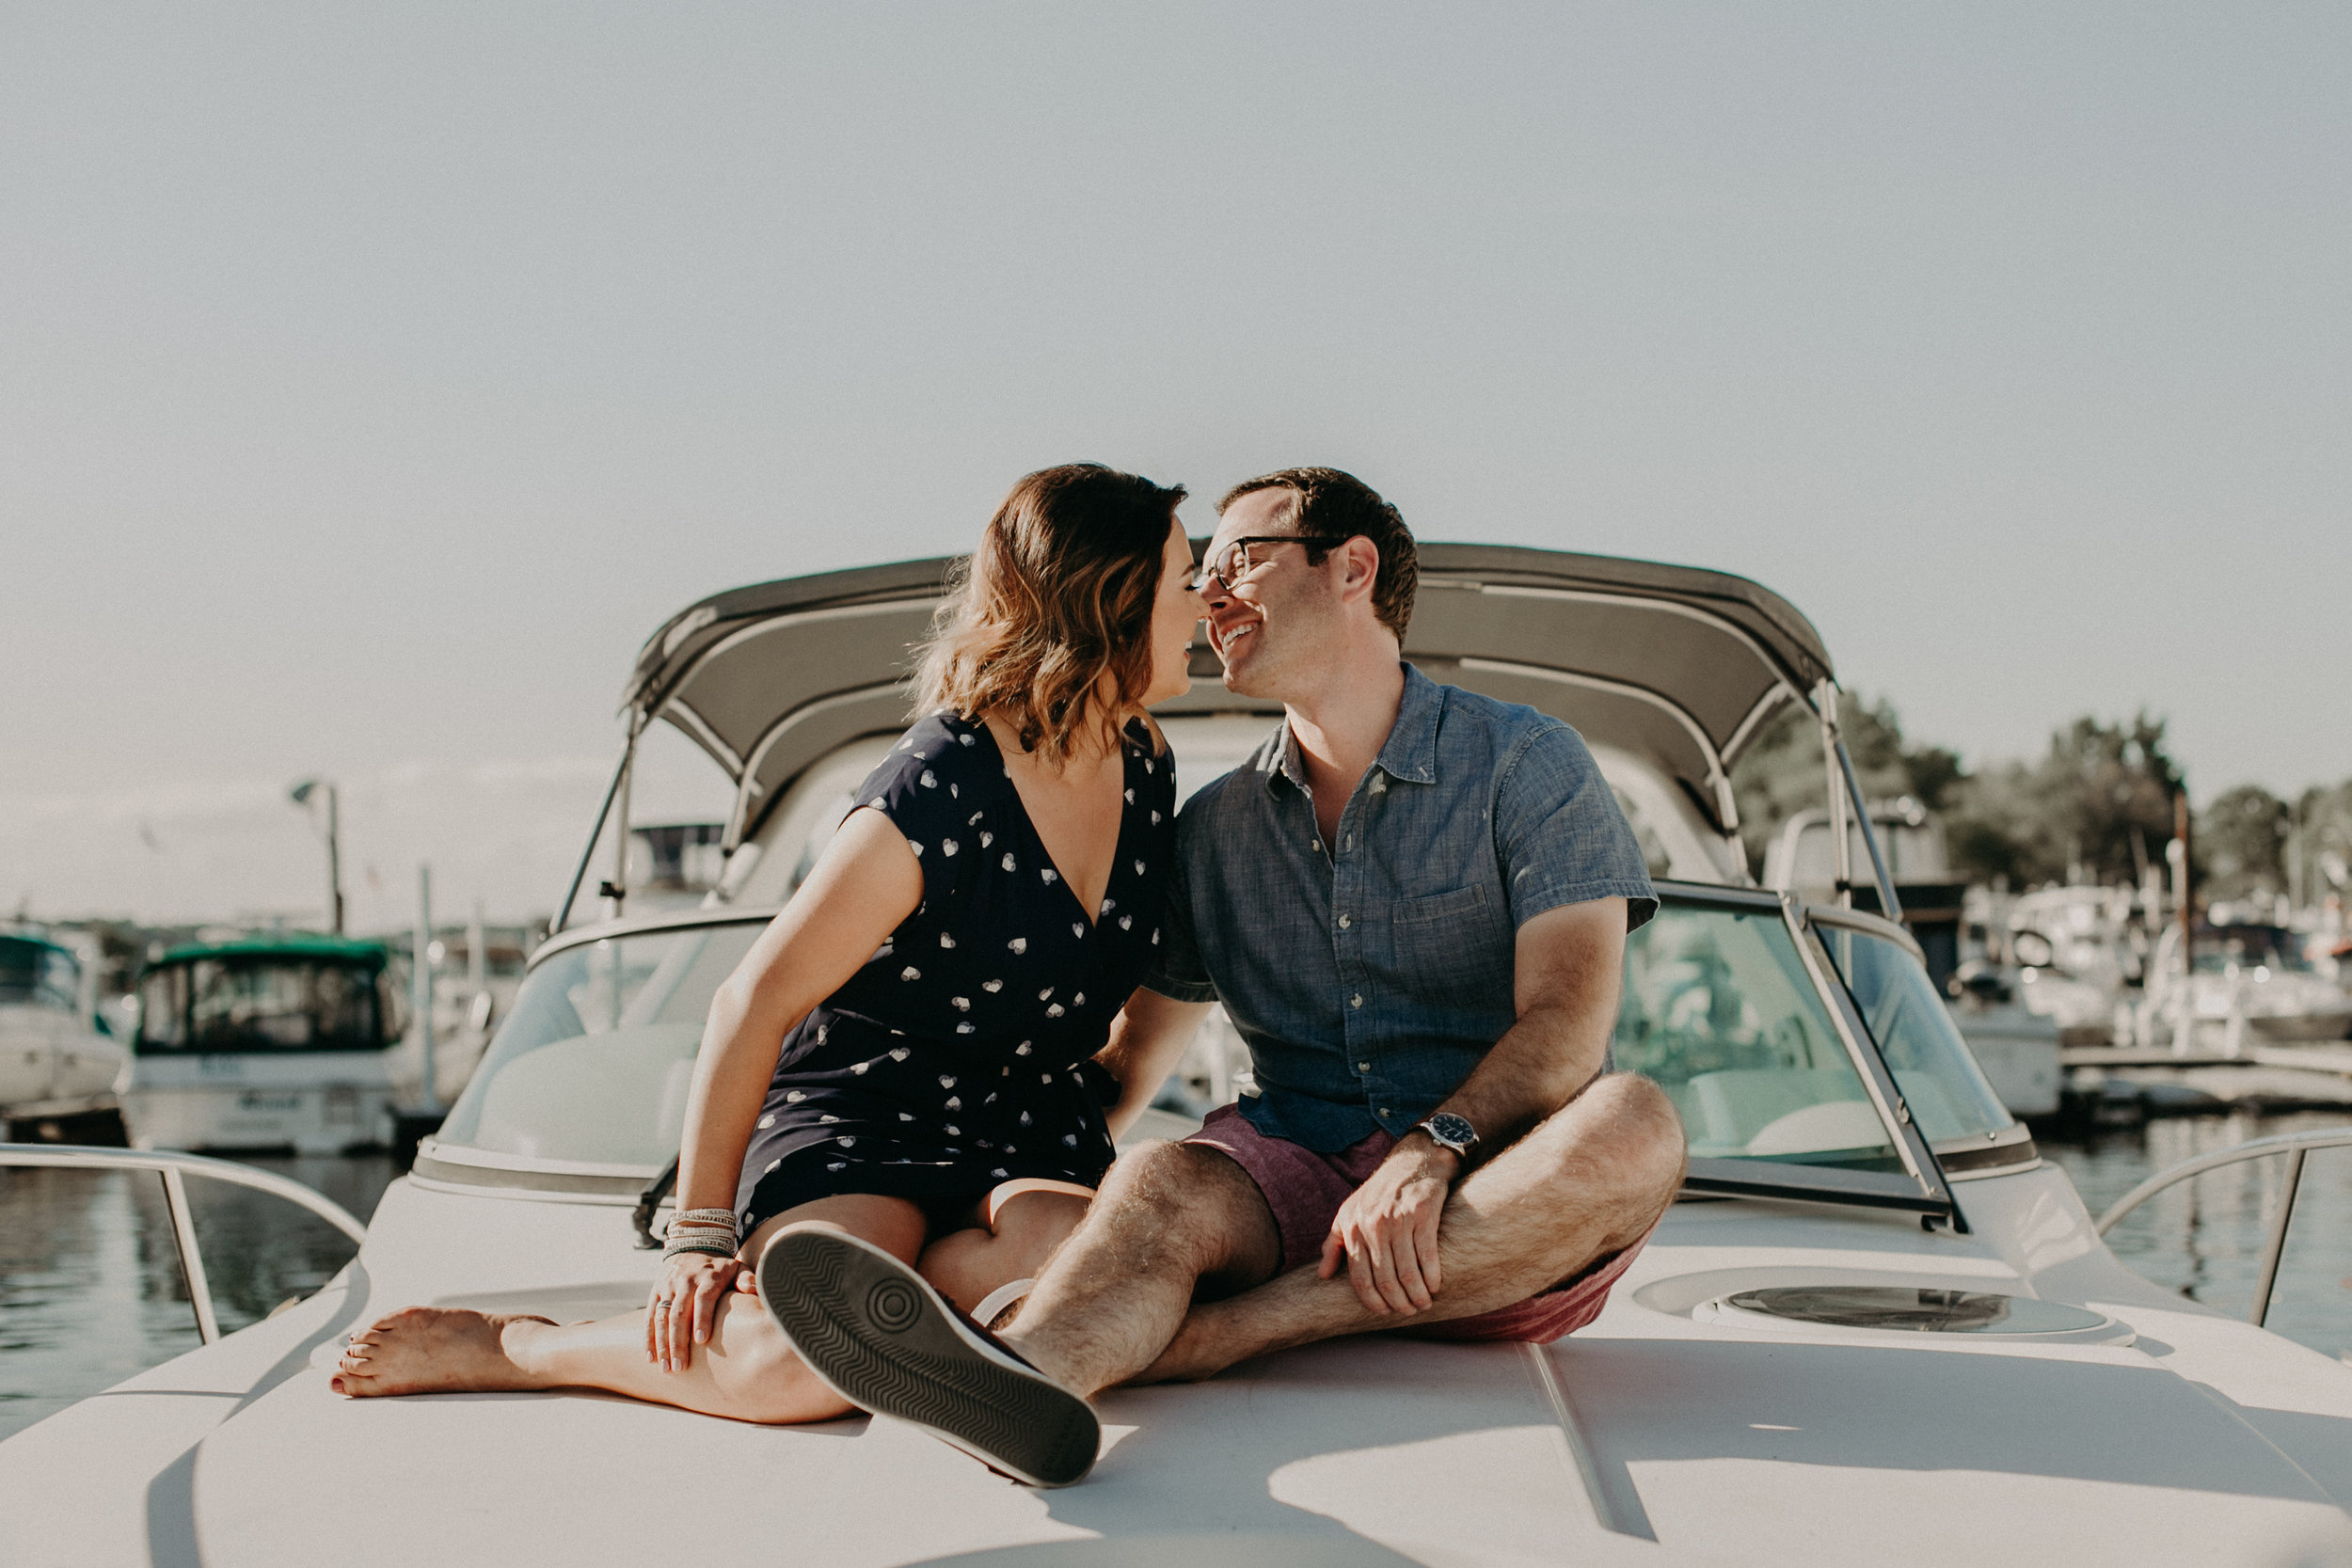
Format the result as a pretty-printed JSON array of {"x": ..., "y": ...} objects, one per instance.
[{"x": 960, "y": 1054}]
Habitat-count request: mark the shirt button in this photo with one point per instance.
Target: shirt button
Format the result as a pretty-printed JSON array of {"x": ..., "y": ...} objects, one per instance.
[
  {"x": 1318, "y": 845},
  {"x": 1363, "y": 1067},
  {"x": 1343, "y": 923},
  {"x": 1357, "y": 1000},
  {"x": 1386, "y": 1111}
]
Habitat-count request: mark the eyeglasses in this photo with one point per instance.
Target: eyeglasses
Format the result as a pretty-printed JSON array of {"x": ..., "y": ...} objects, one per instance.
[{"x": 1229, "y": 561}]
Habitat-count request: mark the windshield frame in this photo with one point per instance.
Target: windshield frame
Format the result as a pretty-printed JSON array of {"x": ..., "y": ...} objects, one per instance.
[
  {"x": 2012, "y": 1147},
  {"x": 1920, "y": 1188}
]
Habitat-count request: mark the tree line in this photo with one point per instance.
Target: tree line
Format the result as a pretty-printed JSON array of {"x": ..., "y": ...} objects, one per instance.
[{"x": 2097, "y": 806}]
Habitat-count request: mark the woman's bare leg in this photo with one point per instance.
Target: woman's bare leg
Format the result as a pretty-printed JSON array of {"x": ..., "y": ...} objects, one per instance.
[
  {"x": 1020, "y": 1226},
  {"x": 747, "y": 1370}
]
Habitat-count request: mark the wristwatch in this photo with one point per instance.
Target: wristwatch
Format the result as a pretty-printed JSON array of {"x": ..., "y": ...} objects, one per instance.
[{"x": 1448, "y": 1130}]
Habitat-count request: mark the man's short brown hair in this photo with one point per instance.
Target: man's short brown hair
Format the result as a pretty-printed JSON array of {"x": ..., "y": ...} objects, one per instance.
[{"x": 1342, "y": 505}]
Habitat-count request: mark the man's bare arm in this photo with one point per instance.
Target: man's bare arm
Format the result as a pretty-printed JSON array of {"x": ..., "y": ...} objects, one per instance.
[
  {"x": 1148, "y": 1040},
  {"x": 1567, "y": 970}
]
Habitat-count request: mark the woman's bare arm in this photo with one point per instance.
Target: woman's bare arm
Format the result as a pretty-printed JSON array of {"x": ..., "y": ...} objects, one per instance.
[
  {"x": 1148, "y": 1040},
  {"x": 865, "y": 883}
]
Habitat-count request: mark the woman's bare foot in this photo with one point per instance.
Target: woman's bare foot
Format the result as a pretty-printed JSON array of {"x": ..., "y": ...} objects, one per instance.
[{"x": 433, "y": 1350}]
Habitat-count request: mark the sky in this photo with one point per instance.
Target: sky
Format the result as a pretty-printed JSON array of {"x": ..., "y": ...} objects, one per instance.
[{"x": 374, "y": 380}]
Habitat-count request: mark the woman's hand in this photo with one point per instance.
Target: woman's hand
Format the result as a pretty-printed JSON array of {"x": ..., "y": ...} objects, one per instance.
[{"x": 685, "y": 1303}]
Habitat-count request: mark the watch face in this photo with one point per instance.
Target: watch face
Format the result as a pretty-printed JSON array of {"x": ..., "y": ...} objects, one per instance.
[{"x": 1451, "y": 1131}]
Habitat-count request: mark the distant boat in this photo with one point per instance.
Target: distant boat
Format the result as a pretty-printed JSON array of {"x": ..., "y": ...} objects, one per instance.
[
  {"x": 54, "y": 1060},
  {"x": 2256, "y": 973},
  {"x": 286, "y": 1040}
]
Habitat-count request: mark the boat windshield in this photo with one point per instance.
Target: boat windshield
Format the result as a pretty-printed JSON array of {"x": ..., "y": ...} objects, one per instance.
[
  {"x": 239, "y": 1003},
  {"x": 38, "y": 973},
  {"x": 596, "y": 1055},
  {"x": 1721, "y": 1010},
  {"x": 1939, "y": 1079}
]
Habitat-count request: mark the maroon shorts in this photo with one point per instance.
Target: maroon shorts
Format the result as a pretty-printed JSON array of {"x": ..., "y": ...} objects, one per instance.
[{"x": 1306, "y": 1189}]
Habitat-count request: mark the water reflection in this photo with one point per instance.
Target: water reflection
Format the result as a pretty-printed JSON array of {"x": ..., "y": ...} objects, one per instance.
[{"x": 90, "y": 1290}]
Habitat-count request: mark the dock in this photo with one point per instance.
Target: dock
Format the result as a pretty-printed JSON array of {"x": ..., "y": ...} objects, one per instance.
[{"x": 2257, "y": 1078}]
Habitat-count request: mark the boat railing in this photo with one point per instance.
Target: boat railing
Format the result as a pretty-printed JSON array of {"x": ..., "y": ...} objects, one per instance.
[
  {"x": 174, "y": 1167},
  {"x": 2292, "y": 1146}
]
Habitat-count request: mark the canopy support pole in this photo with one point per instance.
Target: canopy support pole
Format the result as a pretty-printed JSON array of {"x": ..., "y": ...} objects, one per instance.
[
  {"x": 564, "y": 914},
  {"x": 616, "y": 890},
  {"x": 1889, "y": 905},
  {"x": 1840, "y": 831}
]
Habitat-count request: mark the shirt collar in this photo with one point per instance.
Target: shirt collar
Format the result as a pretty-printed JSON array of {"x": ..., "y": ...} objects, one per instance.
[{"x": 1410, "y": 752}]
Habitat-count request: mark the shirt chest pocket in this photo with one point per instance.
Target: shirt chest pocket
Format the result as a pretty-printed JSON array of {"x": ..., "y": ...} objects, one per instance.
[{"x": 1453, "y": 948}]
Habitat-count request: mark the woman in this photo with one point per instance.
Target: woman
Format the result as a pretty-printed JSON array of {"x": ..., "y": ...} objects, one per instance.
[{"x": 907, "y": 1053}]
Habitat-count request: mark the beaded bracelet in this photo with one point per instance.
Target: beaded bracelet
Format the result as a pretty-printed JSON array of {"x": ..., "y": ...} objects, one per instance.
[{"x": 711, "y": 1231}]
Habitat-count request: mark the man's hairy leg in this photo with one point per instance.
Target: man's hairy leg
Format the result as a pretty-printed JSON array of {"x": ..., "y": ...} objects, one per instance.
[
  {"x": 1168, "y": 1216},
  {"x": 1590, "y": 1180}
]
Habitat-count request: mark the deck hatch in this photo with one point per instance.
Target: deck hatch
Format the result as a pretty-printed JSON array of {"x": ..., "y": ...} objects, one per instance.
[{"x": 1910, "y": 1309}]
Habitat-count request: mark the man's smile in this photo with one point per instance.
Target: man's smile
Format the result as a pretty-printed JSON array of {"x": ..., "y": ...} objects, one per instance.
[{"x": 1227, "y": 636}]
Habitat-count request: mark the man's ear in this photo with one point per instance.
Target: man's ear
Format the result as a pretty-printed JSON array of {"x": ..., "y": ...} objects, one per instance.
[{"x": 1360, "y": 567}]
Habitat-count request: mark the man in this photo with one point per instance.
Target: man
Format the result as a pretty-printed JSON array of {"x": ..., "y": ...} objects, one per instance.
[{"x": 1412, "y": 902}]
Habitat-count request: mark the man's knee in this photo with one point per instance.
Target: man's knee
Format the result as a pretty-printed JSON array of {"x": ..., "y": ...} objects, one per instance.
[
  {"x": 1189, "y": 1197},
  {"x": 1625, "y": 1130}
]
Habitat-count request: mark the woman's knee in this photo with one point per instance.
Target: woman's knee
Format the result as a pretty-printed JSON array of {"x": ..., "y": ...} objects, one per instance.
[{"x": 760, "y": 1376}]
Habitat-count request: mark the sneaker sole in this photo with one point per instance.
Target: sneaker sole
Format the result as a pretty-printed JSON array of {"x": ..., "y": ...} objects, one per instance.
[{"x": 878, "y": 1335}]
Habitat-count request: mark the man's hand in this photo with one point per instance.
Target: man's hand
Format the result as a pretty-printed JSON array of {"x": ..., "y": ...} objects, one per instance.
[{"x": 1388, "y": 1228}]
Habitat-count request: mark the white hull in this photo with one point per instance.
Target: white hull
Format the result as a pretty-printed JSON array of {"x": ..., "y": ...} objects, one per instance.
[
  {"x": 2303, "y": 1028},
  {"x": 2019, "y": 1053},
  {"x": 323, "y": 1103},
  {"x": 48, "y": 1059}
]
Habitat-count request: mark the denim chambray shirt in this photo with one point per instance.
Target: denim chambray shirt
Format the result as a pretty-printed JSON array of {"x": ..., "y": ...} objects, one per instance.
[{"x": 1371, "y": 976}]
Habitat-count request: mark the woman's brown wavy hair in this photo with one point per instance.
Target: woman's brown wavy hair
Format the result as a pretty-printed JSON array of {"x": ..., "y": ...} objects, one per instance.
[{"x": 1058, "y": 597}]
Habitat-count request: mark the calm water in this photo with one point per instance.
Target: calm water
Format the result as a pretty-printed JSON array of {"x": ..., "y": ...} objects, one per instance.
[{"x": 90, "y": 1290}]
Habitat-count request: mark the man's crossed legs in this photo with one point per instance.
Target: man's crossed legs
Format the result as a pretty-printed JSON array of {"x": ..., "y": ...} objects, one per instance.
[{"x": 1174, "y": 1222}]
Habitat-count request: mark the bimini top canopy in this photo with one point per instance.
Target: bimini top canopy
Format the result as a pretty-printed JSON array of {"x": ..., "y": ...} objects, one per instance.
[{"x": 1675, "y": 665}]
